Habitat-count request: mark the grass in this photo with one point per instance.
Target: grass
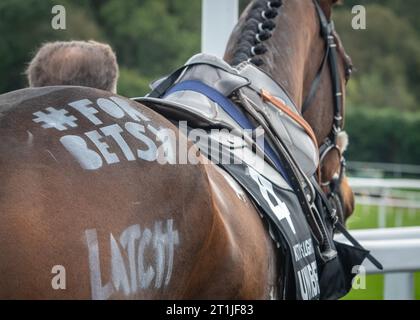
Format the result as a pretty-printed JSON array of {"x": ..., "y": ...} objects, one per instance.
[{"x": 366, "y": 217}]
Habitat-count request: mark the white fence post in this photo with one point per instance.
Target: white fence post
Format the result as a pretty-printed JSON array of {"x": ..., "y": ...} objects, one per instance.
[
  {"x": 382, "y": 211},
  {"x": 217, "y": 22},
  {"x": 399, "y": 286}
]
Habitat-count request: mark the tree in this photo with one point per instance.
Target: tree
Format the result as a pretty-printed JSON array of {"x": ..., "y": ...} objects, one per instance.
[
  {"x": 386, "y": 56},
  {"x": 24, "y": 26}
]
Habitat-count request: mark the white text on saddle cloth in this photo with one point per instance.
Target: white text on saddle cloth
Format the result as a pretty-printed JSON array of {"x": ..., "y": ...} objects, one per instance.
[
  {"x": 279, "y": 207},
  {"x": 149, "y": 265}
]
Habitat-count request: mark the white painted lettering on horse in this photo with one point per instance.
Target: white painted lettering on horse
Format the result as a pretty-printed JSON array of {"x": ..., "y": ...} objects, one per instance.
[
  {"x": 137, "y": 130},
  {"x": 115, "y": 131},
  {"x": 87, "y": 158},
  {"x": 172, "y": 239},
  {"x": 83, "y": 106},
  {"x": 119, "y": 273},
  {"x": 103, "y": 147},
  {"x": 111, "y": 140},
  {"x": 145, "y": 277},
  {"x": 156, "y": 247},
  {"x": 110, "y": 107},
  {"x": 128, "y": 241},
  {"x": 279, "y": 207},
  {"x": 136, "y": 115},
  {"x": 60, "y": 119},
  {"x": 99, "y": 292}
]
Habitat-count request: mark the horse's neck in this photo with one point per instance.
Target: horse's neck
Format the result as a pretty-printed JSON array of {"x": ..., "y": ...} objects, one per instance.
[
  {"x": 285, "y": 70},
  {"x": 293, "y": 59}
]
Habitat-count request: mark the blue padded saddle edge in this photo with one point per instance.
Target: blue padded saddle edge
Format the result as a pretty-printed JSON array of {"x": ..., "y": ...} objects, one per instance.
[{"x": 232, "y": 110}]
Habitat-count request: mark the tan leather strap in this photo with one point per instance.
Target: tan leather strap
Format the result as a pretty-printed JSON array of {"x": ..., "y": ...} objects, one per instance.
[
  {"x": 280, "y": 104},
  {"x": 302, "y": 122}
]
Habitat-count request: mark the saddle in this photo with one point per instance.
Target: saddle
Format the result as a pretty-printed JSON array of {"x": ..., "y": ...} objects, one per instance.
[
  {"x": 201, "y": 111},
  {"x": 276, "y": 169}
]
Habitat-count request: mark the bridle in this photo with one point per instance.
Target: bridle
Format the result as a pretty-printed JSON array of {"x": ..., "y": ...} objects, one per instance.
[{"x": 330, "y": 142}]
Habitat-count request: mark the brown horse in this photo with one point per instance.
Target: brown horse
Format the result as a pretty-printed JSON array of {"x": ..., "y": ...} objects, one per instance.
[
  {"x": 87, "y": 211},
  {"x": 293, "y": 57}
]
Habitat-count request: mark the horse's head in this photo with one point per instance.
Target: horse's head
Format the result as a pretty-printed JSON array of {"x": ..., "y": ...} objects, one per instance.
[{"x": 294, "y": 42}]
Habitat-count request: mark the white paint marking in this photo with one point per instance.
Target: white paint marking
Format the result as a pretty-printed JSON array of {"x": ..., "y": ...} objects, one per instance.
[
  {"x": 115, "y": 131},
  {"x": 99, "y": 292},
  {"x": 103, "y": 147},
  {"x": 137, "y": 130},
  {"x": 110, "y": 107},
  {"x": 87, "y": 158},
  {"x": 51, "y": 154},
  {"x": 135, "y": 114},
  {"x": 30, "y": 140},
  {"x": 89, "y": 112},
  {"x": 118, "y": 270},
  {"x": 155, "y": 248}
]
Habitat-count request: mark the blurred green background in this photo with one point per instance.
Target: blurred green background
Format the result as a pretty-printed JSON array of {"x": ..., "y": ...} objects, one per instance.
[
  {"x": 152, "y": 37},
  {"x": 366, "y": 217}
]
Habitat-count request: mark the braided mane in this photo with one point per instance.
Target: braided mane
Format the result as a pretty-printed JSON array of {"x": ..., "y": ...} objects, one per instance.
[{"x": 257, "y": 29}]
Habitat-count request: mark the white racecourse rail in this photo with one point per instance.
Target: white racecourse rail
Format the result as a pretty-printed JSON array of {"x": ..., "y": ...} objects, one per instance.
[{"x": 398, "y": 249}]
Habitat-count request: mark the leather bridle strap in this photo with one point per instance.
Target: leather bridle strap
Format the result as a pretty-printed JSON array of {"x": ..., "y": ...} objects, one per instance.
[
  {"x": 327, "y": 29},
  {"x": 315, "y": 83}
]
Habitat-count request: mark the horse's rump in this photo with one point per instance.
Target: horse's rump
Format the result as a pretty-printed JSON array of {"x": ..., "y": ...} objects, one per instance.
[{"x": 82, "y": 189}]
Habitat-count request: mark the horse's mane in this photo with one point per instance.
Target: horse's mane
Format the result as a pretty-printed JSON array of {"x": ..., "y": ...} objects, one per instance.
[{"x": 257, "y": 28}]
